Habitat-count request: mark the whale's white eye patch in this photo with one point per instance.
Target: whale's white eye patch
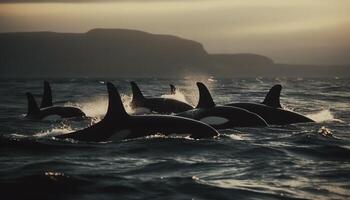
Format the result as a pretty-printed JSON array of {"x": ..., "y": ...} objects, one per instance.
[{"x": 214, "y": 120}]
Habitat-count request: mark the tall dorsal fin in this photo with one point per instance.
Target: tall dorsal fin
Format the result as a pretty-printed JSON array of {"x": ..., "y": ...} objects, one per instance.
[
  {"x": 32, "y": 105},
  {"x": 47, "y": 96},
  {"x": 172, "y": 89},
  {"x": 116, "y": 108},
  {"x": 136, "y": 92},
  {"x": 205, "y": 99},
  {"x": 273, "y": 97}
]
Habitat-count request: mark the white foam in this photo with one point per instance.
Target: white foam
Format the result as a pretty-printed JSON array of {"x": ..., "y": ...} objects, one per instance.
[
  {"x": 236, "y": 137},
  {"x": 55, "y": 131},
  {"x": 96, "y": 107},
  {"x": 212, "y": 79},
  {"x": 327, "y": 132},
  {"x": 323, "y": 116},
  {"x": 286, "y": 107},
  {"x": 126, "y": 101}
]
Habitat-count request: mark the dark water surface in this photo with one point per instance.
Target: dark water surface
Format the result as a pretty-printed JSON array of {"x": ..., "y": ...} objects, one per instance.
[{"x": 302, "y": 161}]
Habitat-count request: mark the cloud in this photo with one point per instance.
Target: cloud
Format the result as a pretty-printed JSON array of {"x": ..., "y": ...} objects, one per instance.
[
  {"x": 84, "y": 1},
  {"x": 55, "y": 1},
  {"x": 287, "y": 31}
]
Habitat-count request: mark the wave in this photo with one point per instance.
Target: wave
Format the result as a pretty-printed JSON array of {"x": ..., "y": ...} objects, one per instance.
[
  {"x": 325, "y": 152},
  {"x": 58, "y": 185}
]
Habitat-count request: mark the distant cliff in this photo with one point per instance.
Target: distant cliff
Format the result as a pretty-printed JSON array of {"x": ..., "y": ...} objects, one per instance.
[
  {"x": 240, "y": 59},
  {"x": 119, "y": 53},
  {"x": 99, "y": 52}
]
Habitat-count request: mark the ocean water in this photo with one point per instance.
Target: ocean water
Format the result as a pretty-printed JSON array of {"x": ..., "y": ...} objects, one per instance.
[{"x": 300, "y": 161}]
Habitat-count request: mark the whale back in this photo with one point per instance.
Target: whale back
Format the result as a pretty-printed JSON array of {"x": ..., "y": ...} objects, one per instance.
[
  {"x": 47, "y": 96},
  {"x": 205, "y": 99},
  {"x": 272, "y": 98}
]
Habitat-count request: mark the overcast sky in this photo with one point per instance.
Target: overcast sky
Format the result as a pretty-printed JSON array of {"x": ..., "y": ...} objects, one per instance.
[{"x": 288, "y": 31}]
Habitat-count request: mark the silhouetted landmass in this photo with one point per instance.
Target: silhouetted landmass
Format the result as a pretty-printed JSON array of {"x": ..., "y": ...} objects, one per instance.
[
  {"x": 245, "y": 65},
  {"x": 121, "y": 52}
]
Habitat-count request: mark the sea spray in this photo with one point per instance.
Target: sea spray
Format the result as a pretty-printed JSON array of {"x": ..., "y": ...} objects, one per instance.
[
  {"x": 177, "y": 96},
  {"x": 63, "y": 129},
  {"x": 97, "y": 107},
  {"x": 323, "y": 116}
]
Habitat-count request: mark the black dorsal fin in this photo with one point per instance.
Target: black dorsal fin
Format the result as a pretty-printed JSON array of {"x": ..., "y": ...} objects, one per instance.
[
  {"x": 116, "y": 108},
  {"x": 47, "y": 96},
  {"x": 273, "y": 97},
  {"x": 32, "y": 105},
  {"x": 136, "y": 92},
  {"x": 172, "y": 89},
  {"x": 205, "y": 99}
]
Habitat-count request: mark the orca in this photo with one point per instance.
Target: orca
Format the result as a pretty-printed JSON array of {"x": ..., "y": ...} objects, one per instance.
[
  {"x": 221, "y": 117},
  {"x": 46, "y": 100},
  {"x": 118, "y": 124},
  {"x": 47, "y": 109},
  {"x": 159, "y": 105},
  {"x": 271, "y": 110}
]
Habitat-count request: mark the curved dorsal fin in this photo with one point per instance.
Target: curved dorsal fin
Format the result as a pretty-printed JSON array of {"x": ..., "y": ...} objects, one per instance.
[
  {"x": 205, "y": 99},
  {"x": 136, "y": 92},
  {"x": 32, "y": 105},
  {"x": 273, "y": 97},
  {"x": 116, "y": 108},
  {"x": 47, "y": 96},
  {"x": 172, "y": 89}
]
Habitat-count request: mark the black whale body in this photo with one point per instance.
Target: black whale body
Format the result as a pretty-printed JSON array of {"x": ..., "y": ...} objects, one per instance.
[
  {"x": 47, "y": 108},
  {"x": 118, "y": 125},
  {"x": 159, "y": 105},
  {"x": 271, "y": 110},
  {"x": 34, "y": 112},
  {"x": 221, "y": 117}
]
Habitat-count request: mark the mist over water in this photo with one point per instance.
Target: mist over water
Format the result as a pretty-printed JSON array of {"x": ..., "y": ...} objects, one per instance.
[{"x": 299, "y": 161}]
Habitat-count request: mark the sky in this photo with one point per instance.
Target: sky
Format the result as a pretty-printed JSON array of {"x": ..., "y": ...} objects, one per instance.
[{"x": 288, "y": 31}]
